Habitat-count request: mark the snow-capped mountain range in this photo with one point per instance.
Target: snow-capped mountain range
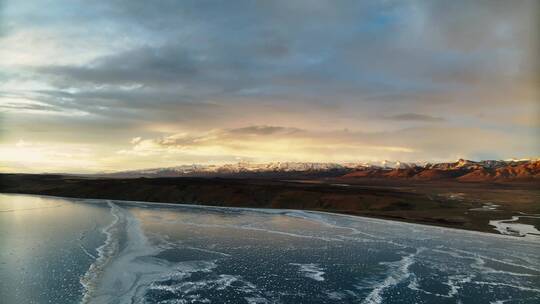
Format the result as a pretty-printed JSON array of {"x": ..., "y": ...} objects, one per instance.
[
  {"x": 239, "y": 168},
  {"x": 325, "y": 169}
]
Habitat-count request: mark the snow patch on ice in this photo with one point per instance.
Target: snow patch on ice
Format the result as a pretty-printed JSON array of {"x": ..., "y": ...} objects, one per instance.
[{"x": 508, "y": 227}]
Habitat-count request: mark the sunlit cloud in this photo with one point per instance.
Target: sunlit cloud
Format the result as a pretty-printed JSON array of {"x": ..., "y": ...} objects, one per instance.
[
  {"x": 45, "y": 157},
  {"x": 284, "y": 144},
  {"x": 262, "y": 143}
]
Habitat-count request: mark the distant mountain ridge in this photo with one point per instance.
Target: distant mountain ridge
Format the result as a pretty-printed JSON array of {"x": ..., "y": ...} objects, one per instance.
[
  {"x": 241, "y": 169},
  {"x": 461, "y": 170}
]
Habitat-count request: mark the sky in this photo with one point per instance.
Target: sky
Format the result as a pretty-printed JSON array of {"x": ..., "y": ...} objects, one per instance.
[{"x": 105, "y": 85}]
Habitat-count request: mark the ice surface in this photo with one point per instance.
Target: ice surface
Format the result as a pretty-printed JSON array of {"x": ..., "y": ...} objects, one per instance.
[{"x": 163, "y": 253}]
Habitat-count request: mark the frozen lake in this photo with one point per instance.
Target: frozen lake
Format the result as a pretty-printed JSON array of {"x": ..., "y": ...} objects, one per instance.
[{"x": 55, "y": 250}]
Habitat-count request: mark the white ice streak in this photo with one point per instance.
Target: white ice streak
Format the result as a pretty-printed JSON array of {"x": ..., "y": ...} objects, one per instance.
[
  {"x": 335, "y": 295},
  {"x": 123, "y": 275},
  {"x": 220, "y": 282},
  {"x": 497, "y": 284},
  {"x": 312, "y": 271},
  {"x": 87, "y": 252},
  {"x": 456, "y": 282},
  {"x": 398, "y": 272},
  {"x": 83, "y": 248},
  {"x": 185, "y": 287},
  {"x": 506, "y": 262},
  {"x": 256, "y": 300},
  {"x": 479, "y": 263},
  {"x": 105, "y": 253}
]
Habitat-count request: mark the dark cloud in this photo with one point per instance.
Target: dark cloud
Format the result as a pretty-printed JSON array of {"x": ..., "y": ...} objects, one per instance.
[
  {"x": 144, "y": 65},
  {"x": 337, "y": 49}
]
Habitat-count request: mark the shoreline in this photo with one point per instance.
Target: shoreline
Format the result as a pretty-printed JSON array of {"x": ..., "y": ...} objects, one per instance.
[
  {"x": 493, "y": 233},
  {"x": 433, "y": 204}
]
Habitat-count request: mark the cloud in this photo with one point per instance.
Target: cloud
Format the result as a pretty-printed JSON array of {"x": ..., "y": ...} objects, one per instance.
[
  {"x": 413, "y": 144},
  {"x": 415, "y": 117},
  {"x": 145, "y": 65},
  {"x": 263, "y": 130},
  {"x": 281, "y": 55},
  {"x": 135, "y": 140},
  {"x": 418, "y": 50},
  {"x": 228, "y": 137},
  {"x": 215, "y": 79}
]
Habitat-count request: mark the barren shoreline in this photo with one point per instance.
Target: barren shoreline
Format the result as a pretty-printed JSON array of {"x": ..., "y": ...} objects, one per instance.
[{"x": 464, "y": 206}]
